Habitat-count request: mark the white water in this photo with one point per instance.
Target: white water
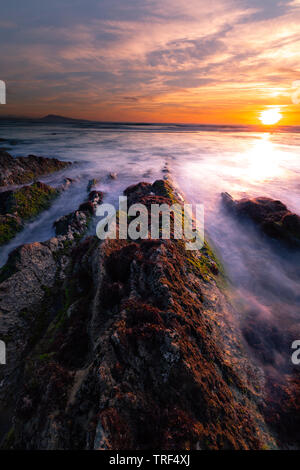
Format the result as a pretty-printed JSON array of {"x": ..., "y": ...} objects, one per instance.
[{"x": 204, "y": 164}]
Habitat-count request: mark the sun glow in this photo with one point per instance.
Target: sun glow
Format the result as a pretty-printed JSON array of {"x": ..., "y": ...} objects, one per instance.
[
  {"x": 270, "y": 116},
  {"x": 263, "y": 161}
]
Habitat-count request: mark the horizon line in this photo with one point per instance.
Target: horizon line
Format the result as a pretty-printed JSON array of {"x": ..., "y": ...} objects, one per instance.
[{"x": 67, "y": 118}]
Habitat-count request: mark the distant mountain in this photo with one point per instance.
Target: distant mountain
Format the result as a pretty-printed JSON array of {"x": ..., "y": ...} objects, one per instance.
[
  {"x": 50, "y": 118},
  {"x": 57, "y": 118}
]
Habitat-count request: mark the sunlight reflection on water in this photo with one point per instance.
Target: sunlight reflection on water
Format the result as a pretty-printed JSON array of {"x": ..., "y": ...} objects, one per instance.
[{"x": 203, "y": 164}]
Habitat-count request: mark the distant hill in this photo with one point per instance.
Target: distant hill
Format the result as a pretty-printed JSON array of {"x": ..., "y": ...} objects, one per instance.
[
  {"x": 57, "y": 118},
  {"x": 50, "y": 118}
]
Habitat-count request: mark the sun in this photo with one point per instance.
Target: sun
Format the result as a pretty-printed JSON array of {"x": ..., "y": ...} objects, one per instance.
[{"x": 270, "y": 116}]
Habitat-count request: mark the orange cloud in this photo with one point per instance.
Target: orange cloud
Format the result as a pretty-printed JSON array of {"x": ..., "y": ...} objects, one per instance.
[{"x": 222, "y": 61}]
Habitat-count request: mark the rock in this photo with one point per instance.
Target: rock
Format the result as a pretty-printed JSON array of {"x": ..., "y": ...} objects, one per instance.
[
  {"x": 20, "y": 170},
  {"x": 27, "y": 201},
  {"x": 5, "y": 201},
  {"x": 291, "y": 222},
  {"x": 271, "y": 216},
  {"x": 21, "y": 205},
  {"x": 87, "y": 207},
  {"x": 9, "y": 226},
  {"x": 92, "y": 183},
  {"x": 75, "y": 222},
  {"x": 67, "y": 183},
  {"x": 131, "y": 346},
  {"x": 260, "y": 209},
  {"x": 228, "y": 201},
  {"x": 166, "y": 171},
  {"x": 95, "y": 198},
  {"x": 78, "y": 221},
  {"x": 137, "y": 191},
  {"x": 24, "y": 280},
  {"x": 30, "y": 281}
]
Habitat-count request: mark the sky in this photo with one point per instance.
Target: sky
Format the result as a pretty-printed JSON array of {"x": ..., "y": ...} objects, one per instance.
[{"x": 189, "y": 61}]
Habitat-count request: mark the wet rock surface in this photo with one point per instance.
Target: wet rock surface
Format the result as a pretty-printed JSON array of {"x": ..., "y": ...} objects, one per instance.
[
  {"x": 32, "y": 294},
  {"x": 76, "y": 222},
  {"x": 272, "y": 217},
  {"x": 20, "y": 170},
  {"x": 118, "y": 344},
  {"x": 20, "y": 205}
]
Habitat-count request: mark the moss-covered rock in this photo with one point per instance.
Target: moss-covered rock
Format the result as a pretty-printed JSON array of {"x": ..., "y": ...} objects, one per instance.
[
  {"x": 28, "y": 201},
  {"x": 21, "y": 205},
  {"x": 22, "y": 170},
  {"x": 9, "y": 226}
]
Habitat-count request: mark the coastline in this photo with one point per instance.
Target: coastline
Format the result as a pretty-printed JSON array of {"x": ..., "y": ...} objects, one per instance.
[{"x": 136, "y": 326}]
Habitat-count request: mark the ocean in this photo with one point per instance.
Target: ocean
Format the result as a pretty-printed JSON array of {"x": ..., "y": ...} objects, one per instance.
[{"x": 203, "y": 161}]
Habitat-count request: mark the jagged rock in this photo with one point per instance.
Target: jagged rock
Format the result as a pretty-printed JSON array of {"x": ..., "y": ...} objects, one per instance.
[
  {"x": 291, "y": 223},
  {"x": 24, "y": 282},
  {"x": 137, "y": 350},
  {"x": 272, "y": 217},
  {"x": 20, "y": 205},
  {"x": 9, "y": 225},
  {"x": 92, "y": 183},
  {"x": 76, "y": 222},
  {"x": 31, "y": 296},
  {"x": 228, "y": 201},
  {"x": 22, "y": 170},
  {"x": 67, "y": 183},
  {"x": 95, "y": 198},
  {"x": 137, "y": 191},
  {"x": 27, "y": 201},
  {"x": 87, "y": 207}
]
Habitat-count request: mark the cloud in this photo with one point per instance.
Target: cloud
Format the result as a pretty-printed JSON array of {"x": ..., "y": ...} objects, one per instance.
[{"x": 139, "y": 55}]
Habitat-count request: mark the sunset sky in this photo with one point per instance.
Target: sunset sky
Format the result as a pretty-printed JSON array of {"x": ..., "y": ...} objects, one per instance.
[{"x": 212, "y": 61}]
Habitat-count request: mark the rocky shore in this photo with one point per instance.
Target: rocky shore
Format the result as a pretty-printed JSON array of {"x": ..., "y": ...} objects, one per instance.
[
  {"x": 122, "y": 344},
  {"x": 271, "y": 217},
  {"x": 22, "y": 170},
  {"x": 21, "y": 204}
]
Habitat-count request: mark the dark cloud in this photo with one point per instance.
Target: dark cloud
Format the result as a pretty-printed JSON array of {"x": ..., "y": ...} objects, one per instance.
[{"x": 180, "y": 52}]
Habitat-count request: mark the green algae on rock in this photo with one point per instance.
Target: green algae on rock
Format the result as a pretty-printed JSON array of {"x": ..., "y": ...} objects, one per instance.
[
  {"x": 21, "y": 205},
  {"x": 20, "y": 170},
  {"x": 9, "y": 226},
  {"x": 28, "y": 201}
]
